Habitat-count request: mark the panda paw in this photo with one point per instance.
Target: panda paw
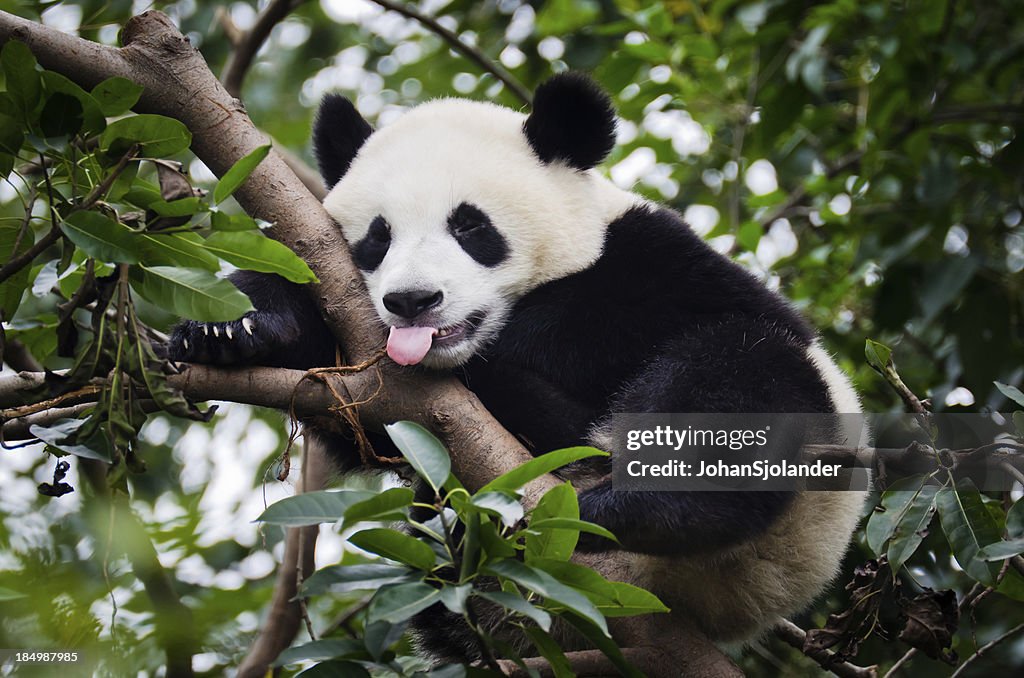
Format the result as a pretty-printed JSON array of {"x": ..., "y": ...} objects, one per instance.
[{"x": 248, "y": 340}]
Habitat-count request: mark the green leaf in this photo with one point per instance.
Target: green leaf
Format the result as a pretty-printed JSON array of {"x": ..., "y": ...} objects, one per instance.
[
  {"x": 180, "y": 249},
  {"x": 253, "y": 251},
  {"x": 13, "y": 243},
  {"x": 222, "y": 221},
  {"x": 191, "y": 293},
  {"x": 23, "y": 81},
  {"x": 320, "y": 650},
  {"x": 361, "y": 577},
  {"x": 879, "y": 356},
  {"x": 182, "y": 207},
  {"x": 519, "y": 605},
  {"x": 157, "y": 135},
  {"x": 909, "y": 506},
  {"x": 1011, "y": 392},
  {"x": 550, "y": 650},
  {"x": 537, "y": 467},
  {"x": 396, "y": 546},
  {"x": 628, "y": 600},
  {"x": 1001, "y": 550},
  {"x": 498, "y": 503},
  {"x": 572, "y": 524},
  {"x": 895, "y": 501},
  {"x": 312, "y": 508},
  {"x": 101, "y": 237},
  {"x": 62, "y": 115},
  {"x": 388, "y": 505},
  {"x": 92, "y": 120},
  {"x": 602, "y": 641},
  {"x": 380, "y": 635},
  {"x": 423, "y": 451},
  {"x": 1015, "y": 520},
  {"x": 454, "y": 597},
  {"x": 238, "y": 173},
  {"x": 545, "y": 585},
  {"x": 400, "y": 602},
  {"x": 969, "y": 527},
  {"x": 493, "y": 544},
  {"x": 553, "y": 542},
  {"x": 62, "y": 435},
  {"x": 116, "y": 95}
]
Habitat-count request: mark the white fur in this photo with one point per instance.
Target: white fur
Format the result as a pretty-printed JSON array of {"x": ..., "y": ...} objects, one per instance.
[{"x": 417, "y": 170}]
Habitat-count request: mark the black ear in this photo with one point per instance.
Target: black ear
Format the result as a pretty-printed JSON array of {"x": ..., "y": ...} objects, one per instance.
[
  {"x": 573, "y": 121},
  {"x": 338, "y": 134}
]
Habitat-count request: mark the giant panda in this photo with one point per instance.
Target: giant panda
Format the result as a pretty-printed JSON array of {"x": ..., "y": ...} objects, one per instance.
[{"x": 492, "y": 248}]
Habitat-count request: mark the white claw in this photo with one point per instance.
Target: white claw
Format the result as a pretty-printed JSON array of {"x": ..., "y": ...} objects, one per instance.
[
  {"x": 206, "y": 330},
  {"x": 247, "y": 325},
  {"x": 227, "y": 331},
  {"x": 216, "y": 331},
  {"x": 184, "y": 343}
]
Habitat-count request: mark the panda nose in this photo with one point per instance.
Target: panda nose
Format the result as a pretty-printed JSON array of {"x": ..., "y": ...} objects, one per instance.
[{"x": 412, "y": 303}]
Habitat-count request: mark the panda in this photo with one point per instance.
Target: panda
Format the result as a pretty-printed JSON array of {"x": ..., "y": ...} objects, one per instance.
[{"x": 493, "y": 249}]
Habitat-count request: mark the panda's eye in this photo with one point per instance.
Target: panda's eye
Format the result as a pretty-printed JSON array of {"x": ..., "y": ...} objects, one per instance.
[
  {"x": 379, "y": 231},
  {"x": 466, "y": 219}
]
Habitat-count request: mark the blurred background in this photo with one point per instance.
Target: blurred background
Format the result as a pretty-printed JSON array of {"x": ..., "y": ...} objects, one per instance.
[{"x": 863, "y": 157}]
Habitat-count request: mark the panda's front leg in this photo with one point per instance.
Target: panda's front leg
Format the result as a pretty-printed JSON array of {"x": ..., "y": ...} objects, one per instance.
[{"x": 285, "y": 330}]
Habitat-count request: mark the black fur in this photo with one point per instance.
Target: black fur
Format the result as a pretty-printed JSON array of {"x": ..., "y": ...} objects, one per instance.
[
  {"x": 371, "y": 250},
  {"x": 477, "y": 236},
  {"x": 573, "y": 120},
  {"x": 338, "y": 134}
]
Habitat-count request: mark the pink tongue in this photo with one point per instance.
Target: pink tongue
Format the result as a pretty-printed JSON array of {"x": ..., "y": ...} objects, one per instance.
[{"x": 408, "y": 345}]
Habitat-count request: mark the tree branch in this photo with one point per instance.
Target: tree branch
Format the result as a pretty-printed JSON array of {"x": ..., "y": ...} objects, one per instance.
[
  {"x": 299, "y": 552},
  {"x": 247, "y": 44},
  {"x": 794, "y": 636},
  {"x": 466, "y": 50}
]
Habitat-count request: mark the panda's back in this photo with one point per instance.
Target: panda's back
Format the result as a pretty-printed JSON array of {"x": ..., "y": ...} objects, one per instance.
[{"x": 657, "y": 304}]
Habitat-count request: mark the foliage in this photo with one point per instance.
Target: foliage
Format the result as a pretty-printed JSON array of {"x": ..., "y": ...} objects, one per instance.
[
  {"x": 464, "y": 554},
  {"x": 862, "y": 156}
]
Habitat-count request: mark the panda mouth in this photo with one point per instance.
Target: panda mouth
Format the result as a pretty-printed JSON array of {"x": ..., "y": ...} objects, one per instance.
[
  {"x": 409, "y": 345},
  {"x": 453, "y": 334}
]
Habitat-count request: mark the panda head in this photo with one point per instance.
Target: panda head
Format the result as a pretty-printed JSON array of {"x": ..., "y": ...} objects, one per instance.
[{"x": 459, "y": 208}]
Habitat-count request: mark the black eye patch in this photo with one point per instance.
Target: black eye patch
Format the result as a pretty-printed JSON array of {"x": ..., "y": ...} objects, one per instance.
[
  {"x": 477, "y": 236},
  {"x": 370, "y": 251}
]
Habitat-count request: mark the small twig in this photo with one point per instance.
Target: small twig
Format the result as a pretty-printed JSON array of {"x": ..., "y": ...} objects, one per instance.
[
  {"x": 466, "y": 50},
  {"x": 902, "y": 660},
  {"x": 247, "y": 44},
  {"x": 985, "y": 648},
  {"x": 794, "y": 636},
  {"x": 19, "y": 262},
  {"x": 62, "y": 400}
]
